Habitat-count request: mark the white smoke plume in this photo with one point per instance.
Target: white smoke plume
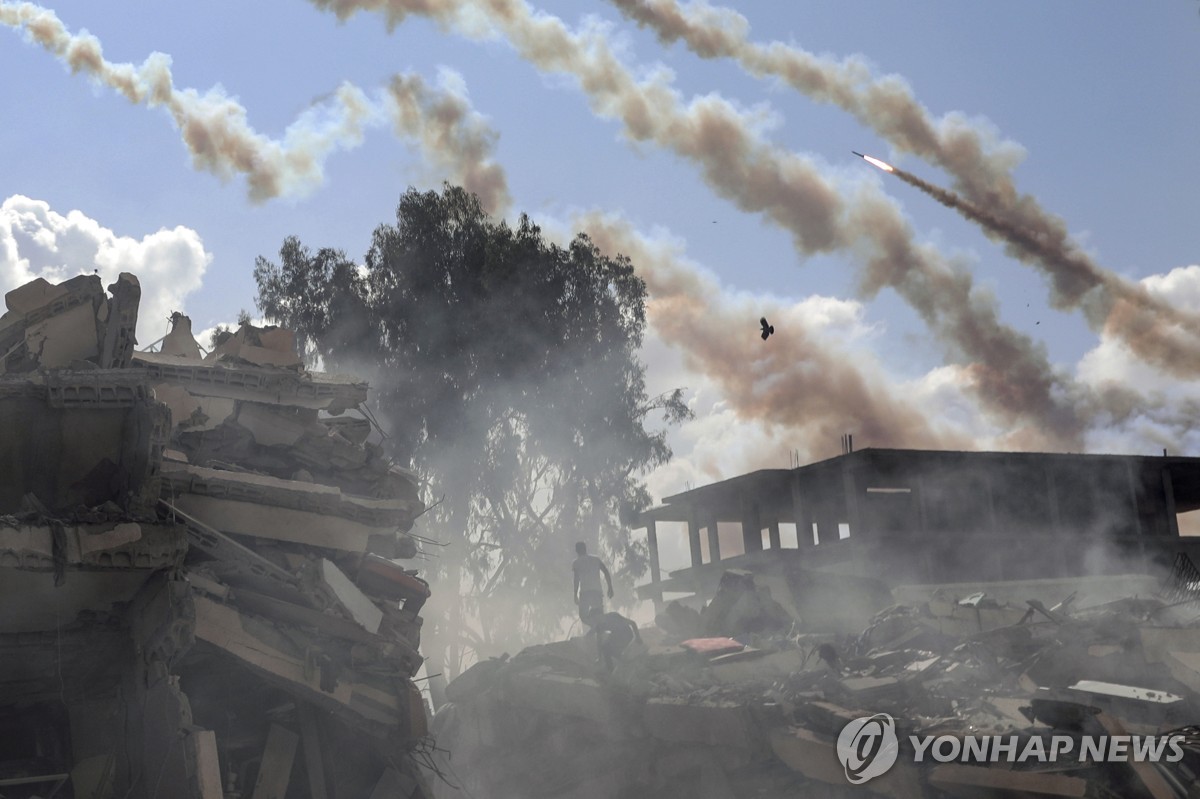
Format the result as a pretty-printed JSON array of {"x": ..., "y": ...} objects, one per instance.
[
  {"x": 36, "y": 241},
  {"x": 439, "y": 120},
  {"x": 1015, "y": 380},
  {"x": 980, "y": 163}
]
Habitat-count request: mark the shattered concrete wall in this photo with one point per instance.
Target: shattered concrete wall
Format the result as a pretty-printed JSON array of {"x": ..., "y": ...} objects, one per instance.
[{"x": 199, "y": 587}]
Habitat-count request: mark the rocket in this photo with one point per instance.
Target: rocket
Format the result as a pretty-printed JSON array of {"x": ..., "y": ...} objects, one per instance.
[{"x": 886, "y": 167}]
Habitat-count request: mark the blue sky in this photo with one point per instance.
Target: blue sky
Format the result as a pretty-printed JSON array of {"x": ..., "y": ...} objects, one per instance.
[{"x": 1102, "y": 98}]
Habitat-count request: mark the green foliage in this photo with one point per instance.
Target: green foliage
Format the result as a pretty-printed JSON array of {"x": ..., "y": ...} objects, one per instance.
[
  {"x": 218, "y": 335},
  {"x": 505, "y": 369}
]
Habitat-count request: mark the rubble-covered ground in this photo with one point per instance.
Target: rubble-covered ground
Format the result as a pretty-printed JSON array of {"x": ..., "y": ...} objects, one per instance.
[
  {"x": 200, "y": 588},
  {"x": 738, "y": 702}
]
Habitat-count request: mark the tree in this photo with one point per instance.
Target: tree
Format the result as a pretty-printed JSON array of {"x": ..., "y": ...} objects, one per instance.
[{"x": 506, "y": 371}]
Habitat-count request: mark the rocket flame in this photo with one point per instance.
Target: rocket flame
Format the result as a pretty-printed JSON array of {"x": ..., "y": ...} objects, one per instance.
[{"x": 886, "y": 167}]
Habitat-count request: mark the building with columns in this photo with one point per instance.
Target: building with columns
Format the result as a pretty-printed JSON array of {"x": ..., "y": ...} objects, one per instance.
[{"x": 922, "y": 517}]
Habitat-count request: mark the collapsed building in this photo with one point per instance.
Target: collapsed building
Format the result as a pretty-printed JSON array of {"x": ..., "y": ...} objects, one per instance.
[
  {"x": 202, "y": 593},
  {"x": 967, "y": 596}
]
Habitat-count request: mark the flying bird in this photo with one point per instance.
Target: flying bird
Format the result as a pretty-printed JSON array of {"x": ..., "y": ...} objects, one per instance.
[{"x": 766, "y": 328}]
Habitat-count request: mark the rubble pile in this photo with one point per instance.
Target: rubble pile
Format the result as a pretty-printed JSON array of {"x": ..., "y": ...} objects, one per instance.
[
  {"x": 757, "y": 712},
  {"x": 198, "y": 566}
]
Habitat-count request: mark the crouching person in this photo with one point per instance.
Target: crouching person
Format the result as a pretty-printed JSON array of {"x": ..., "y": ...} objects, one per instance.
[{"x": 614, "y": 634}]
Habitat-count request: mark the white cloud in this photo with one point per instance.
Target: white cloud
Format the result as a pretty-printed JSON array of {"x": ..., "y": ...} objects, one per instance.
[
  {"x": 37, "y": 241},
  {"x": 1165, "y": 416}
]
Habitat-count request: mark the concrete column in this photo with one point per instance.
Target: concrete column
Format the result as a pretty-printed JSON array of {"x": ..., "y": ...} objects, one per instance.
[
  {"x": 850, "y": 490},
  {"x": 1169, "y": 496},
  {"x": 800, "y": 515},
  {"x": 714, "y": 541},
  {"x": 694, "y": 541},
  {"x": 773, "y": 535},
  {"x": 751, "y": 527},
  {"x": 655, "y": 569}
]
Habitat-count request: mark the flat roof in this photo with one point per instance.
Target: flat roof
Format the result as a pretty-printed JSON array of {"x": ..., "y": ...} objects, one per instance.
[{"x": 769, "y": 484}]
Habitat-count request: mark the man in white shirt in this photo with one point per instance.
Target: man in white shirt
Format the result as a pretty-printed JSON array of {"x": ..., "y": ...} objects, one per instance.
[{"x": 588, "y": 593}]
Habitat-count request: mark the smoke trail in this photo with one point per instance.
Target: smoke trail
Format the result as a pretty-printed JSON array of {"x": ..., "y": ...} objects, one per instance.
[
  {"x": 214, "y": 126},
  {"x": 451, "y": 134},
  {"x": 885, "y": 104},
  {"x": 786, "y": 188},
  {"x": 797, "y": 382},
  {"x": 981, "y": 166},
  {"x": 1126, "y": 311}
]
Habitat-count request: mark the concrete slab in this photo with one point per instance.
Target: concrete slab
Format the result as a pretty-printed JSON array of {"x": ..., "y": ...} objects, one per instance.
[
  {"x": 32, "y": 295},
  {"x": 63, "y": 338}
]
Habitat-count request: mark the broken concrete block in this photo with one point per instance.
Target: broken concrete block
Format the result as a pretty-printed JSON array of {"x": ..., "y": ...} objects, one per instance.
[
  {"x": 208, "y": 767},
  {"x": 271, "y": 346},
  {"x": 348, "y": 595},
  {"x": 33, "y": 295}
]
